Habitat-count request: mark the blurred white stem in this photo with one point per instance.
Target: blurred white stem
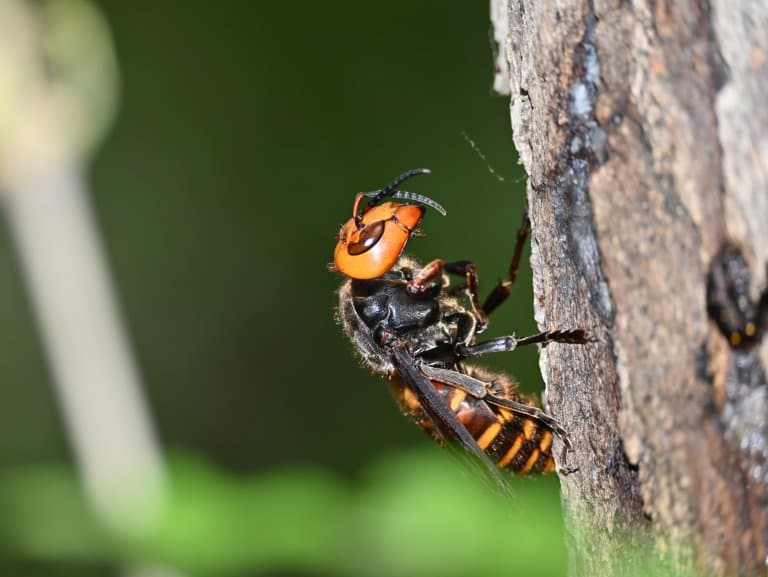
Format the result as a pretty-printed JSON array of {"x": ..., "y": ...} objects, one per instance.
[
  {"x": 97, "y": 382},
  {"x": 49, "y": 215}
]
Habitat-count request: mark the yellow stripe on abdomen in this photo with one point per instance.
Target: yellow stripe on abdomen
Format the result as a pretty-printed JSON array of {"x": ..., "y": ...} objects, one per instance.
[
  {"x": 457, "y": 397},
  {"x": 531, "y": 461},
  {"x": 510, "y": 454},
  {"x": 528, "y": 428},
  {"x": 489, "y": 435}
]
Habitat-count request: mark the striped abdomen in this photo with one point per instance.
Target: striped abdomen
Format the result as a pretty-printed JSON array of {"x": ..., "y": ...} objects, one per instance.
[{"x": 513, "y": 442}]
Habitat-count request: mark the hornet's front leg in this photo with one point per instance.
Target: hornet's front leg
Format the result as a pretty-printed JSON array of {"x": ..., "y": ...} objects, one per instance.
[{"x": 423, "y": 280}]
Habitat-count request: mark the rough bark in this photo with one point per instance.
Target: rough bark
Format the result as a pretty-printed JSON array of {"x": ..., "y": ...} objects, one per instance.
[{"x": 643, "y": 127}]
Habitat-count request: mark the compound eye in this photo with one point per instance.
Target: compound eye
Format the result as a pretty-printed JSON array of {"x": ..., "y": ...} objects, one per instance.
[{"x": 369, "y": 236}]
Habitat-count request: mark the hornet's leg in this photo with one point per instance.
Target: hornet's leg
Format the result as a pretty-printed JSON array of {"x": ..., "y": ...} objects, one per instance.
[
  {"x": 452, "y": 353},
  {"x": 468, "y": 270},
  {"x": 510, "y": 343},
  {"x": 423, "y": 279},
  {"x": 502, "y": 290}
]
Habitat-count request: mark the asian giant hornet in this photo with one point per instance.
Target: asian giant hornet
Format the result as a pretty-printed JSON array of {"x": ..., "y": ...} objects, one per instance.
[{"x": 408, "y": 324}]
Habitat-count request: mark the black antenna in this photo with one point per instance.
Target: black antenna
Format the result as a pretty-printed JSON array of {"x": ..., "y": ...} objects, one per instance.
[
  {"x": 390, "y": 190},
  {"x": 377, "y": 195},
  {"x": 414, "y": 196}
]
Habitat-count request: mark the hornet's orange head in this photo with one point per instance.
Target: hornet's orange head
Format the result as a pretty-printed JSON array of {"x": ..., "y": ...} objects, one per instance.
[{"x": 371, "y": 241}]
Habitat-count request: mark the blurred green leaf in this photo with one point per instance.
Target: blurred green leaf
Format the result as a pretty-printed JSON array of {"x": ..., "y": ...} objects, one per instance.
[
  {"x": 415, "y": 514},
  {"x": 221, "y": 522},
  {"x": 422, "y": 516}
]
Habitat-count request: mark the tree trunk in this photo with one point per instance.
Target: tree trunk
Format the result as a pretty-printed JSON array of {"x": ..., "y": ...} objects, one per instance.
[{"x": 643, "y": 127}]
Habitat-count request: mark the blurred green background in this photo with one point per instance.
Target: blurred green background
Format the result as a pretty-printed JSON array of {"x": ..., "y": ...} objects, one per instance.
[{"x": 244, "y": 130}]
